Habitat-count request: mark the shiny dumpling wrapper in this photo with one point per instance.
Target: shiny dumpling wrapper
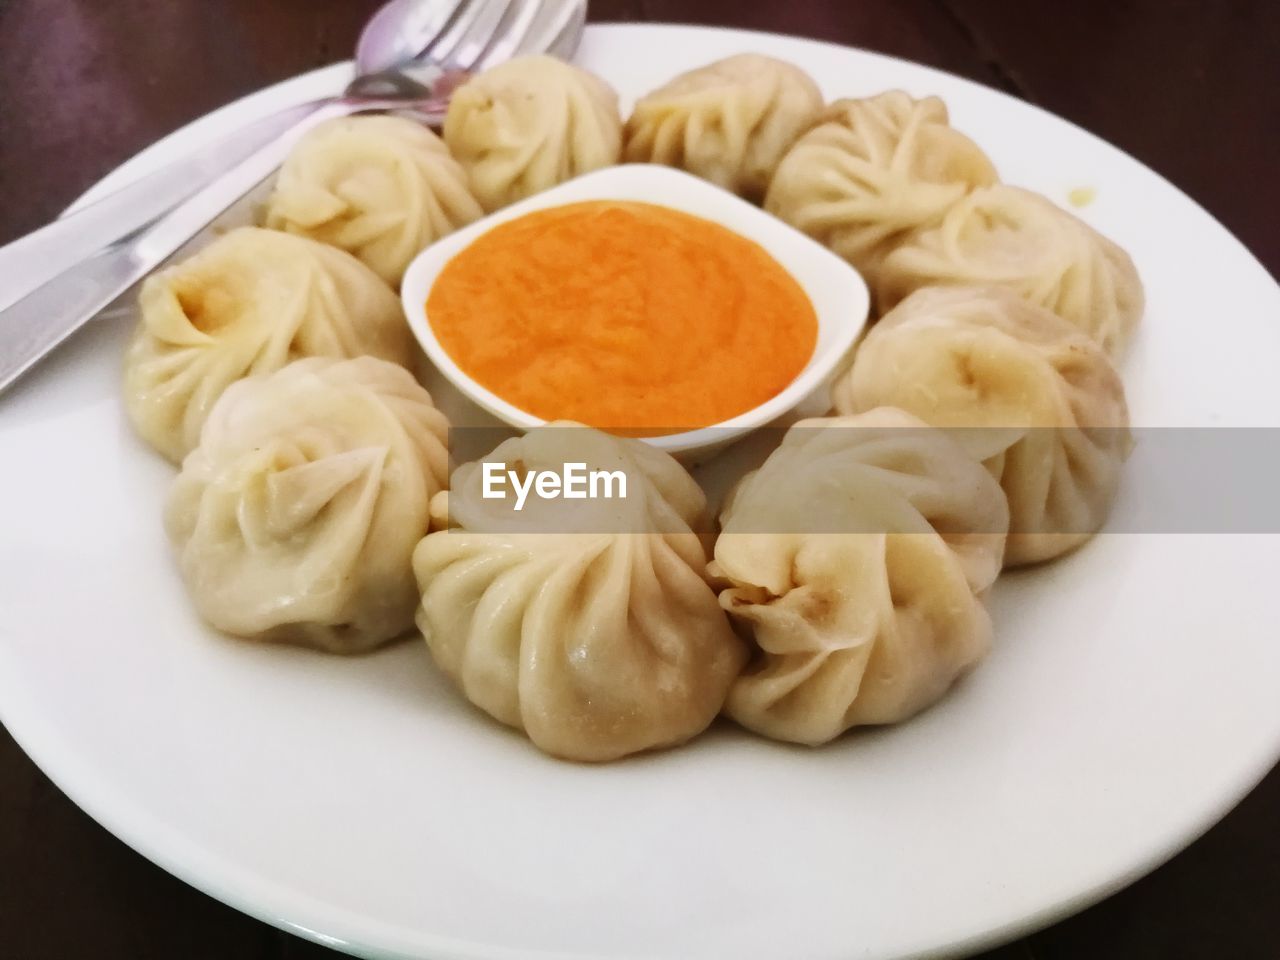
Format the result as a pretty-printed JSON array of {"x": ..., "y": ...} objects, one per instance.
[
  {"x": 587, "y": 624},
  {"x": 871, "y": 170},
  {"x": 1013, "y": 238},
  {"x": 380, "y": 187},
  {"x": 729, "y": 122},
  {"x": 528, "y": 124},
  {"x": 296, "y": 517},
  {"x": 248, "y": 303},
  {"x": 857, "y": 557},
  {"x": 1034, "y": 398}
]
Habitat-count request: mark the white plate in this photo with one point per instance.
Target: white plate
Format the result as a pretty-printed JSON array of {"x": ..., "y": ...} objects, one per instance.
[{"x": 1131, "y": 698}]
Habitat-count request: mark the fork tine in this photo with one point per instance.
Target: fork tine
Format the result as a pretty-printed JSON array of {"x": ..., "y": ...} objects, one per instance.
[
  {"x": 509, "y": 39},
  {"x": 569, "y": 36},
  {"x": 445, "y": 41},
  {"x": 460, "y": 47},
  {"x": 472, "y": 55},
  {"x": 558, "y": 28},
  {"x": 462, "y": 9},
  {"x": 442, "y": 45}
]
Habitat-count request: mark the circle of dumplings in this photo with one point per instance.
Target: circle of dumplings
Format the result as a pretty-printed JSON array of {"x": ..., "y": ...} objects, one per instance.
[{"x": 980, "y": 424}]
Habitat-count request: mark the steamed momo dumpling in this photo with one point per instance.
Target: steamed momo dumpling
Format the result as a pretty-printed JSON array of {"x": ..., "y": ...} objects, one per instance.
[
  {"x": 250, "y": 302},
  {"x": 529, "y": 124},
  {"x": 1013, "y": 238},
  {"x": 380, "y": 187},
  {"x": 587, "y": 624},
  {"x": 729, "y": 122},
  {"x": 873, "y": 170},
  {"x": 857, "y": 556},
  {"x": 296, "y": 517},
  {"x": 1046, "y": 406}
]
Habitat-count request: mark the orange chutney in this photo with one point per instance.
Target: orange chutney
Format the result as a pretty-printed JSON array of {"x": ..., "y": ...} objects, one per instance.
[{"x": 626, "y": 316}]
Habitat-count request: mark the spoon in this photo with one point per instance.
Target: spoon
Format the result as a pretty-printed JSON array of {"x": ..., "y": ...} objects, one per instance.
[{"x": 410, "y": 56}]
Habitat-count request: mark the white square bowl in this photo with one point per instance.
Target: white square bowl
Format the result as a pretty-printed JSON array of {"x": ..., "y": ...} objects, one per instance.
[{"x": 837, "y": 291}]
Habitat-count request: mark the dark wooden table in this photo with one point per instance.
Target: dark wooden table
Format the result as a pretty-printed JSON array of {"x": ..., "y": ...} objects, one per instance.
[{"x": 1190, "y": 88}]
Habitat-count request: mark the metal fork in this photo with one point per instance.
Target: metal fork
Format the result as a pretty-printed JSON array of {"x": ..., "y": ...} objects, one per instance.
[{"x": 452, "y": 38}]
